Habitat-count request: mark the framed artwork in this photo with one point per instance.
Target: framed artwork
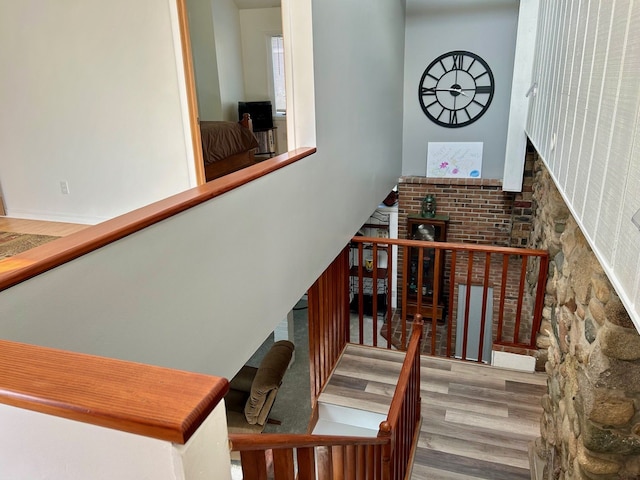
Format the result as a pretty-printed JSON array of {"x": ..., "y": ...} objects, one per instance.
[{"x": 454, "y": 159}]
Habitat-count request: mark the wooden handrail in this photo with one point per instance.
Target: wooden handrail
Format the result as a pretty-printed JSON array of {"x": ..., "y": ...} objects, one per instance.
[
  {"x": 404, "y": 378},
  {"x": 142, "y": 399},
  {"x": 402, "y": 425},
  {"x": 244, "y": 442},
  {"x": 23, "y": 266},
  {"x": 325, "y": 457},
  {"x": 328, "y": 308},
  {"x": 467, "y": 247},
  {"x": 471, "y": 265},
  {"x": 321, "y": 457}
]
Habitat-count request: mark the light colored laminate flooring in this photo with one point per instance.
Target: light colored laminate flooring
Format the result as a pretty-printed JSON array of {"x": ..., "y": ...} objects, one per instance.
[
  {"x": 37, "y": 227},
  {"x": 477, "y": 422}
]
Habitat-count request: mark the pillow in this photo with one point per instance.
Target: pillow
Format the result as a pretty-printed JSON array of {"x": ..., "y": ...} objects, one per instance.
[{"x": 268, "y": 377}]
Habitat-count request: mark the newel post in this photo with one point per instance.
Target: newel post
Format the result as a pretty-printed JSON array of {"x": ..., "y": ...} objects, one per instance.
[
  {"x": 387, "y": 449},
  {"x": 418, "y": 322}
]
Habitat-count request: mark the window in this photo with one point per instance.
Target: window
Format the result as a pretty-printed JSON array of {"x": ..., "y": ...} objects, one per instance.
[{"x": 277, "y": 62}]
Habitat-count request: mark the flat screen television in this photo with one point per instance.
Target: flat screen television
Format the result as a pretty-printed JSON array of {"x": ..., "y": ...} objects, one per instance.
[{"x": 261, "y": 114}]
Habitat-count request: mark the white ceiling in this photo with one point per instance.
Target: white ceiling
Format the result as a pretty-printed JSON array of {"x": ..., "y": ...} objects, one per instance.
[{"x": 242, "y": 4}]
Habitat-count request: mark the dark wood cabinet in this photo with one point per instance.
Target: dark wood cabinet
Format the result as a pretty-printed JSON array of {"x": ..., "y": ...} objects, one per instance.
[{"x": 421, "y": 290}]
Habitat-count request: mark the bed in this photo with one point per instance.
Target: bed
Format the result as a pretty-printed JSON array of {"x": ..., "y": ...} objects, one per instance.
[{"x": 227, "y": 147}]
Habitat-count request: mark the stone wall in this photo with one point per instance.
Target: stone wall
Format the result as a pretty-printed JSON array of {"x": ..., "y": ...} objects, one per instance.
[{"x": 590, "y": 428}]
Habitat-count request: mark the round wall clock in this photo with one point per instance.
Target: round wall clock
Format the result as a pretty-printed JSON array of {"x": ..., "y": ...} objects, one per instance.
[{"x": 456, "y": 89}]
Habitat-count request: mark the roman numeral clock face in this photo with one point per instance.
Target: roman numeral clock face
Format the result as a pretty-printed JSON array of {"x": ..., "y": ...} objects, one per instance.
[{"x": 456, "y": 89}]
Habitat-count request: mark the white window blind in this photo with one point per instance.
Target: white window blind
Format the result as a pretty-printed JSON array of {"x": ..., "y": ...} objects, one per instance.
[{"x": 277, "y": 60}]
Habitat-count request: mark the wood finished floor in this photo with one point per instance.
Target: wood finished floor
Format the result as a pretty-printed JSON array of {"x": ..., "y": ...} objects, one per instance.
[
  {"x": 37, "y": 227},
  {"x": 477, "y": 422}
]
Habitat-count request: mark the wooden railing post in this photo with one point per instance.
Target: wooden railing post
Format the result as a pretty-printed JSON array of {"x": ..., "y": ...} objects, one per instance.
[{"x": 385, "y": 432}]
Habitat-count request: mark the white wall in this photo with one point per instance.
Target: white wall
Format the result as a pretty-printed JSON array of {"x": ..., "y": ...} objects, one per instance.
[
  {"x": 487, "y": 28},
  {"x": 583, "y": 122},
  {"x": 228, "y": 45},
  {"x": 521, "y": 88},
  {"x": 201, "y": 291},
  {"x": 358, "y": 65},
  {"x": 205, "y": 60},
  {"x": 38, "y": 446},
  {"x": 258, "y": 25},
  {"x": 91, "y": 95}
]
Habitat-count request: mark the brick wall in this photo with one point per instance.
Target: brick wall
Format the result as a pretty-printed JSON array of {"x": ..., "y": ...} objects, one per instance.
[
  {"x": 479, "y": 211},
  {"x": 523, "y": 204}
]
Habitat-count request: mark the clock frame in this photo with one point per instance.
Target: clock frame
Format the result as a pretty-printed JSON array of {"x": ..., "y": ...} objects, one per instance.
[{"x": 456, "y": 89}]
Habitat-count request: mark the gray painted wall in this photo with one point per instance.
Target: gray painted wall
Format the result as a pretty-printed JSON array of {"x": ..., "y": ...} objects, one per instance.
[
  {"x": 205, "y": 60},
  {"x": 91, "y": 94},
  {"x": 202, "y": 291},
  {"x": 433, "y": 27}
]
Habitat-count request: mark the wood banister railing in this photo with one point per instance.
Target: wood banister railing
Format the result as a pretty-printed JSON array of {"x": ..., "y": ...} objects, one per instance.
[
  {"x": 328, "y": 301},
  {"x": 512, "y": 281},
  {"x": 38, "y": 260},
  {"x": 142, "y": 399},
  {"x": 317, "y": 457},
  {"x": 327, "y": 457},
  {"x": 402, "y": 425},
  {"x": 247, "y": 442}
]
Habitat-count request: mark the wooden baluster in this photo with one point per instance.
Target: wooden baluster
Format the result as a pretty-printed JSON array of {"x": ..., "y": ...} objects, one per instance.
[
  {"x": 372, "y": 461},
  {"x": 485, "y": 292},
  {"x": 419, "y": 282},
  {"x": 374, "y": 292},
  {"x": 523, "y": 276},
  {"x": 404, "y": 283},
  {"x": 360, "y": 293},
  {"x": 434, "y": 301},
  {"x": 350, "y": 464},
  {"x": 452, "y": 286},
  {"x": 503, "y": 295},
  {"x": 337, "y": 453},
  {"x": 466, "y": 306},
  {"x": 543, "y": 271},
  {"x": 306, "y": 463},
  {"x": 325, "y": 463},
  {"x": 283, "y": 467},
  {"x": 254, "y": 465},
  {"x": 361, "y": 462},
  {"x": 390, "y": 274}
]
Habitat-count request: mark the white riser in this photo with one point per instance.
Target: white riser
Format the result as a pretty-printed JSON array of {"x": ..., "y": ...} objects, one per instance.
[{"x": 350, "y": 417}]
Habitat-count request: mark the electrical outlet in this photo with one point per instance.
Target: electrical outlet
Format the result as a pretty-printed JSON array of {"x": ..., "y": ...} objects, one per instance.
[{"x": 64, "y": 187}]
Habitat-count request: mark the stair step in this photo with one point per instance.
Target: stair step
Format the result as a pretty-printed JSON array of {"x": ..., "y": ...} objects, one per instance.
[
  {"x": 341, "y": 415},
  {"x": 326, "y": 427}
]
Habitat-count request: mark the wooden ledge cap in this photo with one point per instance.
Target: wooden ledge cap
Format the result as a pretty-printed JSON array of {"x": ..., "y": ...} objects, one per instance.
[{"x": 142, "y": 399}]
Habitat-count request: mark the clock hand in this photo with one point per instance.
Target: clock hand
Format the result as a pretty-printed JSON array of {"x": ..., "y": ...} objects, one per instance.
[{"x": 451, "y": 90}]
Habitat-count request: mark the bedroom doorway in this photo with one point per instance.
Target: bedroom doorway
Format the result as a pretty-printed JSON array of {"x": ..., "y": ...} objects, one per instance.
[
  {"x": 190, "y": 84},
  {"x": 216, "y": 80}
]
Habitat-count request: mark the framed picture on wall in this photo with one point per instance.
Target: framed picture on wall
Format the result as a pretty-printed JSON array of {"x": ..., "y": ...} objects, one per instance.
[{"x": 454, "y": 159}]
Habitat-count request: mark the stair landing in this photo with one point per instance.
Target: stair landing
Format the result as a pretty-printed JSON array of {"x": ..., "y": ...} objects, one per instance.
[{"x": 478, "y": 420}]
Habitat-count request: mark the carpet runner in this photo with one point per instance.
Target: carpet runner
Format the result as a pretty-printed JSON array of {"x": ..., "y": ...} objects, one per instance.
[{"x": 13, "y": 243}]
